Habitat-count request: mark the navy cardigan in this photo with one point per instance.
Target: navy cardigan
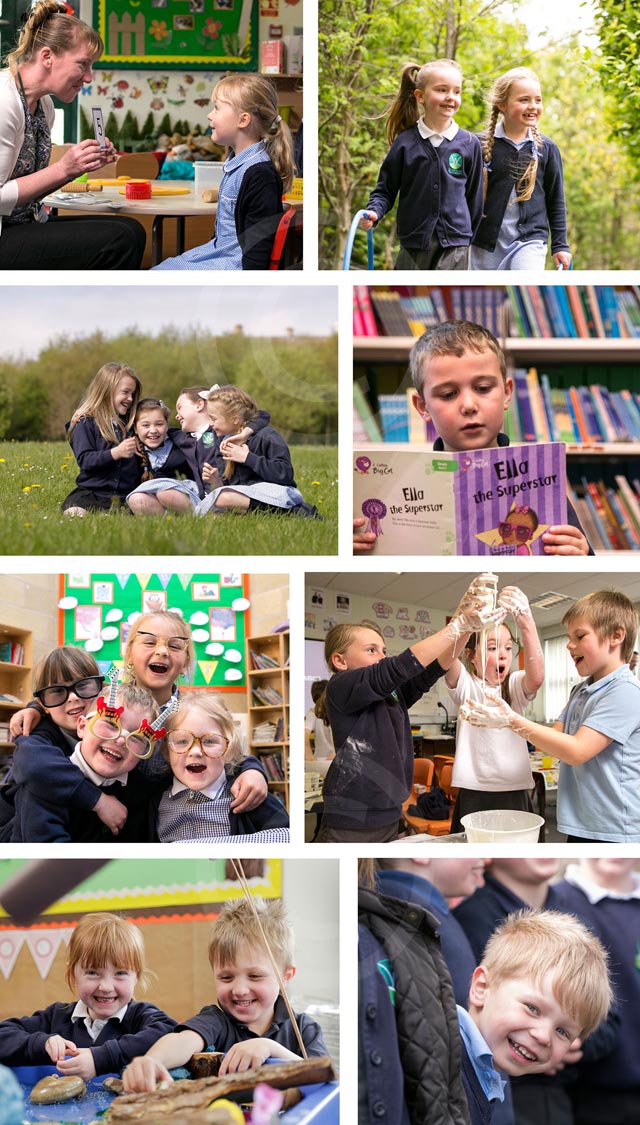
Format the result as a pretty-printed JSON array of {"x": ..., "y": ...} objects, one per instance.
[
  {"x": 439, "y": 189},
  {"x": 544, "y": 212},
  {"x": 258, "y": 212},
  {"x": 99, "y": 472}
]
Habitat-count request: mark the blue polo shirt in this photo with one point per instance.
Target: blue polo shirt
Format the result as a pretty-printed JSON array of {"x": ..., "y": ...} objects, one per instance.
[{"x": 600, "y": 799}]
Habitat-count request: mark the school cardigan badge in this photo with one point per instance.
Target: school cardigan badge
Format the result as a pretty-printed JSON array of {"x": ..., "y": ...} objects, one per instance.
[{"x": 455, "y": 164}]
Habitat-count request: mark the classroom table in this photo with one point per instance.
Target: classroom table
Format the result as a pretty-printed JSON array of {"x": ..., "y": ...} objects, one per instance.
[
  {"x": 109, "y": 201},
  {"x": 320, "y": 1103},
  {"x": 180, "y": 206}
]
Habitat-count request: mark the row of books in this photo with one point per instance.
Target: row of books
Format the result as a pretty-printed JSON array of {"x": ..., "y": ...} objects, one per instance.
[
  {"x": 273, "y": 765},
  {"x": 265, "y": 696},
  {"x": 260, "y": 660},
  {"x": 577, "y": 415},
  {"x": 267, "y": 732},
  {"x": 4, "y": 732},
  {"x": 610, "y": 517},
  {"x": 399, "y": 312},
  {"x": 537, "y": 311},
  {"x": 11, "y": 652},
  {"x": 575, "y": 311}
]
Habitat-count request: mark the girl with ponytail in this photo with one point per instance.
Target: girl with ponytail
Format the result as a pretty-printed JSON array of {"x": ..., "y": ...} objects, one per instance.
[{"x": 434, "y": 168}]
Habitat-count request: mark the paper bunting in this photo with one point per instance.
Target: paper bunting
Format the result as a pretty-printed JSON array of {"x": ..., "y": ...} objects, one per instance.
[
  {"x": 185, "y": 580},
  {"x": 42, "y": 944},
  {"x": 143, "y": 579},
  {"x": 164, "y": 580},
  {"x": 208, "y": 667},
  {"x": 123, "y": 579}
]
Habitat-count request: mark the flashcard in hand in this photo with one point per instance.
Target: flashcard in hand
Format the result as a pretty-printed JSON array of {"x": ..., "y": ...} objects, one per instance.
[{"x": 98, "y": 126}]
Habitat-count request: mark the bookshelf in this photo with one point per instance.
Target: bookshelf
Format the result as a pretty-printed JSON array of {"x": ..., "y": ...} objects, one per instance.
[
  {"x": 268, "y": 699},
  {"x": 16, "y": 658},
  {"x": 565, "y": 363}
]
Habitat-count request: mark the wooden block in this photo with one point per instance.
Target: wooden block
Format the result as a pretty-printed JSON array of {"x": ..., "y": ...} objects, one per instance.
[
  {"x": 80, "y": 186},
  {"x": 210, "y": 195}
]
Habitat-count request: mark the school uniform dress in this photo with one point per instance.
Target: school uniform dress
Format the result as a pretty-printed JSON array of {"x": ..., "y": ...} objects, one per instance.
[
  {"x": 600, "y": 799},
  {"x": 249, "y": 209},
  {"x": 438, "y": 181},
  {"x": 113, "y": 1042},
  {"x": 102, "y": 481},
  {"x": 266, "y": 477},
  {"x": 515, "y": 235},
  {"x": 169, "y": 466},
  {"x": 27, "y": 240},
  {"x": 220, "y": 1030},
  {"x": 190, "y": 814}
]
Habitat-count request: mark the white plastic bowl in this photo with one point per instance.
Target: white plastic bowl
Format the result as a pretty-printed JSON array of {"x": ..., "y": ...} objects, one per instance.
[{"x": 502, "y": 824}]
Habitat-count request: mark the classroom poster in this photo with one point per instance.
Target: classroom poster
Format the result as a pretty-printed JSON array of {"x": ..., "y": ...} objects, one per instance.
[
  {"x": 96, "y": 611},
  {"x": 187, "y": 34},
  {"x": 481, "y": 502}
]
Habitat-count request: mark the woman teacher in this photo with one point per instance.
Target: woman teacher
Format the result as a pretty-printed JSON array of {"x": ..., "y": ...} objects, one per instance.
[{"x": 54, "y": 55}]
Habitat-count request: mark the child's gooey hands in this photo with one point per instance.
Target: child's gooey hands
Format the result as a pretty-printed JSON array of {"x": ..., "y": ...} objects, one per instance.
[
  {"x": 515, "y": 602},
  {"x": 497, "y": 713},
  {"x": 475, "y": 610},
  {"x": 246, "y": 1055}
]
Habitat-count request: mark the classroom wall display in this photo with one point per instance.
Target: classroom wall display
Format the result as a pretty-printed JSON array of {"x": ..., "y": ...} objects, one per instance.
[
  {"x": 185, "y": 34},
  {"x": 96, "y": 611},
  {"x": 174, "y": 902}
]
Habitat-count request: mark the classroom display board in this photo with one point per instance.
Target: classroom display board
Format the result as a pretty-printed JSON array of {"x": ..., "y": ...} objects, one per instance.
[
  {"x": 152, "y": 893},
  {"x": 97, "y": 611},
  {"x": 184, "y": 34}
]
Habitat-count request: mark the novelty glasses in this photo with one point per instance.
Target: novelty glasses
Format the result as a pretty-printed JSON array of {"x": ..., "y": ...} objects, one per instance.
[
  {"x": 212, "y": 745},
  {"x": 108, "y": 729},
  {"x": 149, "y": 640},
  {"x": 57, "y": 694},
  {"x": 521, "y": 533}
]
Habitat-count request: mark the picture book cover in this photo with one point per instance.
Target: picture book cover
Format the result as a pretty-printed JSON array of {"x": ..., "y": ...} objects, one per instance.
[{"x": 481, "y": 502}]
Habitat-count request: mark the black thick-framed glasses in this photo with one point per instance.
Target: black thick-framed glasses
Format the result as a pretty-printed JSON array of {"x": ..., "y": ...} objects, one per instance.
[{"x": 57, "y": 694}]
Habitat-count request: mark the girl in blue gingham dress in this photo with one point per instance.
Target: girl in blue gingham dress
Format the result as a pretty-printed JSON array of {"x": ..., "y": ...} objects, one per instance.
[
  {"x": 256, "y": 474},
  {"x": 259, "y": 168},
  {"x": 204, "y": 749},
  {"x": 167, "y": 480}
]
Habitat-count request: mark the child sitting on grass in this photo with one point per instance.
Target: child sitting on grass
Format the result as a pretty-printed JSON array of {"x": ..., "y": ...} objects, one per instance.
[
  {"x": 204, "y": 750},
  {"x": 250, "y": 1021},
  {"x": 542, "y": 983},
  {"x": 105, "y": 1028}
]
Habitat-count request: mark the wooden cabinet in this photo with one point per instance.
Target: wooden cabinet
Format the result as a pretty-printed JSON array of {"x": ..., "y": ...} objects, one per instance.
[
  {"x": 16, "y": 656},
  {"x": 268, "y": 699}
]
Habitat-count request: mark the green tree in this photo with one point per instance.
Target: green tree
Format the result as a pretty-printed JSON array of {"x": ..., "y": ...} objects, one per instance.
[
  {"x": 6, "y": 403},
  {"x": 362, "y": 47},
  {"x": 618, "y": 62}
]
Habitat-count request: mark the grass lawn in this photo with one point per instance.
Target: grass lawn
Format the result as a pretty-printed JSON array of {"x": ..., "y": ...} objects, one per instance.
[{"x": 36, "y": 476}]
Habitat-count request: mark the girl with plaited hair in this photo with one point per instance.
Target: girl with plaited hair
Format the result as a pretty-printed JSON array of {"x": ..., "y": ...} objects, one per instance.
[{"x": 524, "y": 182}]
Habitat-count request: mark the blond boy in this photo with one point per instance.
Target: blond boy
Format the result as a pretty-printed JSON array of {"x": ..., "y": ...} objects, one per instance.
[{"x": 250, "y": 1021}]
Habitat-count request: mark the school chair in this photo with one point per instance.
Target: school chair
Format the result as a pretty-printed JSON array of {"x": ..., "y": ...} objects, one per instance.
[
  {"x": 439, "y": 760},
  {"x": 284, "y": 254},
  {"x": 418, "y": 824}
]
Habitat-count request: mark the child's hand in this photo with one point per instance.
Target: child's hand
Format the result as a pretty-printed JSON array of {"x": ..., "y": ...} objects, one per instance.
[
  {"x": 368, "y": 220},
  {"x": 514, "y": 602},
  {"x": 562, "y": 258},
  {"x": 248, "y": 791},
  {"x": 57, "y": 1047},
  {"x": 143, "y": 1074},
  {"x": 233, "y": 452},
  {"x": 244, "y": 1056},
  {"x": 475, "y": 610},
  {"x": 23, "y": 722},
  {"x": 495, "y": 714},
  {"x": 111, "y": 812},
  {"x": 564, "y": 539},
  {"x": 209, "y": 473},
  {"x": 573, "y": 1056},
  {"x": 363, "y": 543},
  {"x": 81, "y": 1063},
  {"x": 126, "y": 448}
]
